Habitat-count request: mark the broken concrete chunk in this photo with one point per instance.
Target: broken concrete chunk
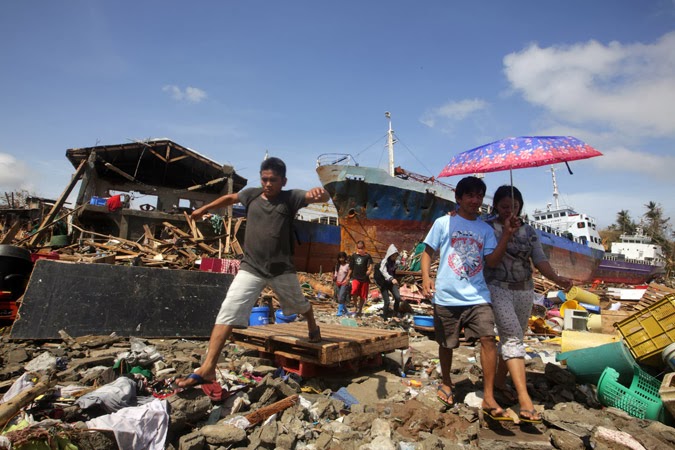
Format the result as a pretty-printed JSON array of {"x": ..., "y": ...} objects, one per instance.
[{"x": 223, "y": 434}]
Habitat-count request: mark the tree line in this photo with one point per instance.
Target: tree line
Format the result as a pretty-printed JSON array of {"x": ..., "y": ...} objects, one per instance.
[{"x": 653, "y": 224}]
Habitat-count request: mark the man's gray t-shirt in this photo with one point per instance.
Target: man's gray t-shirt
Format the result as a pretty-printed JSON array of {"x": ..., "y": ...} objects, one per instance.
[{"x": 268, "y": 242}]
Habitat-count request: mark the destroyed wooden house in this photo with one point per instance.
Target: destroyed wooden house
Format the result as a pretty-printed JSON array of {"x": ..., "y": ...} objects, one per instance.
[
  {"x": 19, "y": 215},
  {"x": 157, "y": 184},
  {"x": 163, "y": 178}
]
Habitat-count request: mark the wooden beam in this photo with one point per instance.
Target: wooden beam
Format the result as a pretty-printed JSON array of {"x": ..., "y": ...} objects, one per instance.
[
  {"x": 9, "y": 236},
  {"x": 193, "y": 226},
  {"x": 12, "y": 407},
  {"x": 119, "y": 171},
  {"x": 208, "y": 183},
  {"x": 58, "y": 204},
  {"x": 140, "y": 247},
  {"x": 207, "y": 248},
  {"x": 156, "y": 154},
  {"x": 178, "y": 158}
]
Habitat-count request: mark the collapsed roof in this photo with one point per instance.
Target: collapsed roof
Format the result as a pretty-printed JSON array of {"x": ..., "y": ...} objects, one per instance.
[{"x": 159, "y": 162}]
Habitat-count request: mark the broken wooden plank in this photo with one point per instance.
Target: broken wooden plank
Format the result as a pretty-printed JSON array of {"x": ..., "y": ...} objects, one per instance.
[
  {"x": 10, "y": 408},
  {"x": 172, "y": 228},
  {"x": 196, "y": 234},
  {"x": 263, "y": 413},
  {"x": 9, "y": 236}
]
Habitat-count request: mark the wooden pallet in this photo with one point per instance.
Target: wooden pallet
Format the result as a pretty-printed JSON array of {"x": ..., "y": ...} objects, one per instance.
[
  {"x": 339, "y": 344},
  {"x": 655, "y": 293}
]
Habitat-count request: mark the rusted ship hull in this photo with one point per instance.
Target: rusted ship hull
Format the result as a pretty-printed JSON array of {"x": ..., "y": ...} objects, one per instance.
[{"x": 380, "y": 210}]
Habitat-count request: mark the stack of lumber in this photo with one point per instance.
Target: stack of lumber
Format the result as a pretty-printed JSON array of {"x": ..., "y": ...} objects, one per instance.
[{"x": 180, "y": 250}]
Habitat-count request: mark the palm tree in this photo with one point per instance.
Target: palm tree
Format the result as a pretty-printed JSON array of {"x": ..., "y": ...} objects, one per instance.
[
  {"x": 656, "y": 224},
  {"x": 624, "y": 222}
]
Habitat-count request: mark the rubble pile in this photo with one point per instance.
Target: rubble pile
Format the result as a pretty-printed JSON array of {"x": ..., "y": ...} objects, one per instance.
[
  {"x": 107, "y": 392},
  {"x": 176, "y": 250}
]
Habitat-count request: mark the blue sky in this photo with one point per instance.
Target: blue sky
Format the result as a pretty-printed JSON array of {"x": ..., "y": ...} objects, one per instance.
[{"x": 232, "y": 80}]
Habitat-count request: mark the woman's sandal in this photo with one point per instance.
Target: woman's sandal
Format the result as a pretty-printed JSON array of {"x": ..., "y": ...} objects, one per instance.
[
  {"x": 531, "y": 417},
  {"x": 499, "y": 417},
  {"x": 315, "y": 336}
]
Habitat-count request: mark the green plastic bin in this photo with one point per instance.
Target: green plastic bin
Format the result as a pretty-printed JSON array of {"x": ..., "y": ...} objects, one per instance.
[
  {"x": 588, "y": 364},
  {"x": 641, "y": 399}
]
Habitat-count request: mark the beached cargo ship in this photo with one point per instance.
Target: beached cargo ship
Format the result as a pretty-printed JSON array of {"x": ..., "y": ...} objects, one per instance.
[
  {"x": 633, "y": 260},
  {"x": 383, "y": 207}
]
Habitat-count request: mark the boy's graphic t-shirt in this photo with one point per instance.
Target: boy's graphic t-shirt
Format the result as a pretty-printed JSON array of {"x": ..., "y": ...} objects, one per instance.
[{"x": 463, "y": 245}]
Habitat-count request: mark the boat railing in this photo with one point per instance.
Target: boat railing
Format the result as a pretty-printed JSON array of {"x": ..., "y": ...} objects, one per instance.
[
  {"x": 622, "y": 258},
  {"x": 551, "y": 230},
  {"x": 333, "y": 159}
]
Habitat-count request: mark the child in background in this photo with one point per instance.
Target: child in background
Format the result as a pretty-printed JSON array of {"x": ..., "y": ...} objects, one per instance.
[{"x": 341, "y": 280}]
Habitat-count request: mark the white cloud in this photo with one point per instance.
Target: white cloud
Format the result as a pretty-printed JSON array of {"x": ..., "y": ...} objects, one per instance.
[
  {"x": 14, "y": 174},
  {"x": 623, "y": 86},
  {"x": 621, "y": 153},
  {"x": 452, "y": 111},
  {"x": 190, "y": 94}
]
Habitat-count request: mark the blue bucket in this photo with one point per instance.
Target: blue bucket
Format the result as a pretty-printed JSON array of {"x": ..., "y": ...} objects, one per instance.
[
  {"x": 280, "y": 318},
  {"x": 423, "y": 321},
  {"x": 260, "y": 315}
]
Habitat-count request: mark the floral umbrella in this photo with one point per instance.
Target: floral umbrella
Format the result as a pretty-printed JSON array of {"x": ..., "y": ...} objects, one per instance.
[{"x": 519, "y": 152}]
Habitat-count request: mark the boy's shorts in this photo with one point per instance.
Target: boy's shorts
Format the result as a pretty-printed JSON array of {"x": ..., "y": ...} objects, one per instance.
[
  {"x": 476, "y": 320},
  {"x": 360, "y": 288},
  {"x": 245, "y": 290}
]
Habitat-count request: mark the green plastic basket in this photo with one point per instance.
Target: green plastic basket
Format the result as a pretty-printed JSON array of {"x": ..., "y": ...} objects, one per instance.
[{"x": 640, "y": 400}]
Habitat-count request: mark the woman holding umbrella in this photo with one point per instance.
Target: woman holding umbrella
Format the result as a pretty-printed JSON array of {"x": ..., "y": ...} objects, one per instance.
[{"x": 512, "y": 291}]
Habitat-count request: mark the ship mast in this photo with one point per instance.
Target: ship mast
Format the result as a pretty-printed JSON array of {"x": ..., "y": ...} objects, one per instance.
[
  {"x": 390, "y": 144},
  {"x": 555, "y": 188}
]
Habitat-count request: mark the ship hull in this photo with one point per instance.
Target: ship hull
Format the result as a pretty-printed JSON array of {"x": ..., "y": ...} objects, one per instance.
[
  {"x": 380, "y": 210},
  {"x": 316, "y": 246},
  {"x": 613, "y": 270}
]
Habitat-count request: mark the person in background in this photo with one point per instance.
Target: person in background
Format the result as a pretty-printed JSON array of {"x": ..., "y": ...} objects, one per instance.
[
  {"x": 460, "y": 296},
  {"x": 360, "y": 269},
  {"x": 384, "y": 276},
  {"x": 341, "y": 280},
  {"x": 512, "y": 292},
  {"x": 268, "y": 249}
]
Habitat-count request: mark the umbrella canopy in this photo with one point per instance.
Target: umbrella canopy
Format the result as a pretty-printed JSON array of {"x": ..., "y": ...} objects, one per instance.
[{"x": 518, "y": 153}]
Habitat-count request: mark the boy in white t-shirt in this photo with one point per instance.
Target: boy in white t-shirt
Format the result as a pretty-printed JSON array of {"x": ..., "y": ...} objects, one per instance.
[{"x": 461, "y": 297}]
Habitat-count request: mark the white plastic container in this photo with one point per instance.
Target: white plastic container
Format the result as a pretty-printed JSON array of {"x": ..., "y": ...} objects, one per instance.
[{"x": 668, "y": 356}]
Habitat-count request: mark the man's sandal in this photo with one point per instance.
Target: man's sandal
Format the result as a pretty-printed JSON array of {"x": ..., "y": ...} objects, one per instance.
[{"x": 315, "y": 336}]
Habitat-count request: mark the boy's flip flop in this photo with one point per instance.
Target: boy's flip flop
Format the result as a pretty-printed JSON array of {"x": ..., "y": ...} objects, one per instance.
[
  {"x": 445, "y": 397},
  {"x": 499, "y": 418}
]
